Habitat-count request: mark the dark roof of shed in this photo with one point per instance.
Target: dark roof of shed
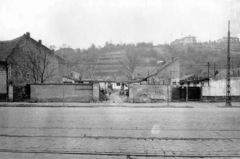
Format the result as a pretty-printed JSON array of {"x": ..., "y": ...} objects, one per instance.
[{"x": 185, "y": 77}]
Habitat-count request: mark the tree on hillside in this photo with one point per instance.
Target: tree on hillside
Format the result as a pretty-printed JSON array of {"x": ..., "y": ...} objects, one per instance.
[{"x": 129, "y": 63}]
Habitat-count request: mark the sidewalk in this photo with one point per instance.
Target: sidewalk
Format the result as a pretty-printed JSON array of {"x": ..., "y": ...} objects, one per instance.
[{"x": 131, "y": 105}]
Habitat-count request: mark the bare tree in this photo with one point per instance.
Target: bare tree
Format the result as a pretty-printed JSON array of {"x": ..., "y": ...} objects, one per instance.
[
  {"x": 40, "y": 62},
  {"x": 129, "y": 63},
  {"x": 84, "y": 69}
]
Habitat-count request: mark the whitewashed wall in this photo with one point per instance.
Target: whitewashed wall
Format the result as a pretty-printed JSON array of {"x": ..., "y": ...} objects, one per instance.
[{"x": 218, "y": 87}]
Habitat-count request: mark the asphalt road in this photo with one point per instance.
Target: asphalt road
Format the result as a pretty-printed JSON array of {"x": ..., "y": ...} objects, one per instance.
[{"x": 41, "y": 132}]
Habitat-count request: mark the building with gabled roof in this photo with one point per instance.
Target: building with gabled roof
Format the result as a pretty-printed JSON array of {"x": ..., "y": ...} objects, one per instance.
[{"x": 18, "y": 56}]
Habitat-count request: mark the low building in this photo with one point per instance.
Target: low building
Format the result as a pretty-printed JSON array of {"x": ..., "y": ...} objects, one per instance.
[{"x": 190, "y": 88}]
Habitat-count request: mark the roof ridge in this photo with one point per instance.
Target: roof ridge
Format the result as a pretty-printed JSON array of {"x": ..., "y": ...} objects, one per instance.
[{"x": 18, "y": 38}]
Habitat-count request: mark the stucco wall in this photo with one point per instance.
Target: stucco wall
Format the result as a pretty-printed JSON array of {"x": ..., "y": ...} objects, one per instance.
[
  {"x": 218, "y": 87},
  {"x": 59, "y": 92},
  {"x": 3, "y": 82},
  {"x": 149, "y": 93}
]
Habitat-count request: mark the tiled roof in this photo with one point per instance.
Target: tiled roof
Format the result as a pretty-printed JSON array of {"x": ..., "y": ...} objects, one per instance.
[{"x": 7, "y": 47}]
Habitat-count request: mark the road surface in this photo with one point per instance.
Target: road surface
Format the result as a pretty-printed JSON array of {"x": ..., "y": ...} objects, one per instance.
[{"x": 119, "y": 133}]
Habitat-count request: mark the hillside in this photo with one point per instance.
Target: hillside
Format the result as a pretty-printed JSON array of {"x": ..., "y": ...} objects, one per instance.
[{"x": 193, "y": 58}]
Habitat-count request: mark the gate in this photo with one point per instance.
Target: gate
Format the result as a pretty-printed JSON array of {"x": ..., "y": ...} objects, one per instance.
[
  {"x": 194, "y": 94},
  {"x": 175, "y": 94},
  {"x": 21, "y": 93}
]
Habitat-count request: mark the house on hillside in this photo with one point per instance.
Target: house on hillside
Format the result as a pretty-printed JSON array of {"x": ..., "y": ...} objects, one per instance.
[
  {"x": 186, "y": 40},
  {"x": 25, "y": 61},
  {"x": 225, "y": 40}
]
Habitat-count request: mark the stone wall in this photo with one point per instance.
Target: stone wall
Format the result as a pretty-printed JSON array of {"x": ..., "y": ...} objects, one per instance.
[
  {"x": 149, "y": 93},
  {"x": 66, "y": 92}
]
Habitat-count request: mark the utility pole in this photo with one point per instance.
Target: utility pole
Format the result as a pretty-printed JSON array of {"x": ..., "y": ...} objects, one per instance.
[
  {"x": 214, "y": 69},
  {"x": 187, "y": 92},
  {"x": 208, "y": 65},
  {"x": 228, "y": 93}
]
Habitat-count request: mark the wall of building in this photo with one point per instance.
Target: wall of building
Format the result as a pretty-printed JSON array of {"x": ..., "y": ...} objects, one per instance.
[
  {"x": 217, "y": 89},
  {"x": 66, "y": 92},
  {"x": 3, "y": 79},
  {"x": 116, "y": 86},
  {"x": 20, "y": 74},
  {"x": 149, "y": 93},
  {"x": 3, "y": 82},
  {"x": 172, "y": 72}
]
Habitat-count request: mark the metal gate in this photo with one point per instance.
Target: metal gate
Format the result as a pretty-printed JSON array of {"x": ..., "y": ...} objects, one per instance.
[{"x": 180, "y": 94}]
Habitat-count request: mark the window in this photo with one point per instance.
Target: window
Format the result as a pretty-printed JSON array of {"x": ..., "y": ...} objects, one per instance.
[
  {"x": 118, "y": 84},
  {"x": 28, "y": 76}
]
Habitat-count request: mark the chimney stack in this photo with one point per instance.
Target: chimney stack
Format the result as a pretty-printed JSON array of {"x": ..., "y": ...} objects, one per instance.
[
  {"x": 28, "y": 34},
  {"x": 40, "y": 42}
]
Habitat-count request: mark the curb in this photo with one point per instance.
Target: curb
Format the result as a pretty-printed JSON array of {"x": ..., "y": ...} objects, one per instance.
[{"x": 90, "y": 106}]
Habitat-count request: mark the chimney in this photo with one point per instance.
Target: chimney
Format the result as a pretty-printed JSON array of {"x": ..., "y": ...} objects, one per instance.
[
  {"x": 28, "y": 34},
  {"x": 40, "y": 42}
]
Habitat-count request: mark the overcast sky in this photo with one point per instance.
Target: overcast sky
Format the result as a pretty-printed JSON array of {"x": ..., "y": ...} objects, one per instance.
[{"x": 80, "y": 23}]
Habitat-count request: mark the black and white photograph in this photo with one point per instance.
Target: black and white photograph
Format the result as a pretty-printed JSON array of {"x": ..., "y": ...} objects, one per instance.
[{"x": 119, "y": 79}]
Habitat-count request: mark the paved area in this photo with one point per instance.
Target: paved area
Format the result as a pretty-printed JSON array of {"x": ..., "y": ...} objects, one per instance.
[
  {"x": 119, "y": 132},
  {"x": 115, "y": 98}
]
